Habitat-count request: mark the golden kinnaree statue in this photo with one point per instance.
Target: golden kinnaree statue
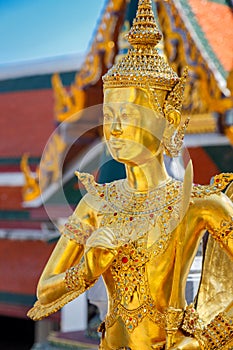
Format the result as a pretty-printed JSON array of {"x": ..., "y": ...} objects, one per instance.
[{"x": 142, "y": 233}]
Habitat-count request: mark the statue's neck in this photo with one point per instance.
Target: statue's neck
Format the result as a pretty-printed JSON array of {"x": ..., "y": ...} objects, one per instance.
[{"x": 147, "y": 176}]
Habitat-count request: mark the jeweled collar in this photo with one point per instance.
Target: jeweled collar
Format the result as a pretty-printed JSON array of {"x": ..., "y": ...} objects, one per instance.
[{"x": 119, "y": 197}]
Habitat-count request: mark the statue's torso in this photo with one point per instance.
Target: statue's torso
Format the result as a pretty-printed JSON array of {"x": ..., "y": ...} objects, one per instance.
[
  {"x": 148, "y": 230},
  {"x": 139, "y": 281}
]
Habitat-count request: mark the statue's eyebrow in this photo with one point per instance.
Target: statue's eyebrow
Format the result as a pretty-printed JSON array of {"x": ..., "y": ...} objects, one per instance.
[{"x": 108, "y": 107}]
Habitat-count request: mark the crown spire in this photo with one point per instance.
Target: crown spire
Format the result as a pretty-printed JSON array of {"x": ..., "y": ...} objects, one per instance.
[
  {"x": 144, "y": 31},
  {"x": 142, "y": 65}
]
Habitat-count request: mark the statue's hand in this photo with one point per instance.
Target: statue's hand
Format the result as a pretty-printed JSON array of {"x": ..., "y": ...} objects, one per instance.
[
  {"x": 186, "y": 343},
  {"x": 100, "y": 250},
  {"x": 104, "y": 237}
]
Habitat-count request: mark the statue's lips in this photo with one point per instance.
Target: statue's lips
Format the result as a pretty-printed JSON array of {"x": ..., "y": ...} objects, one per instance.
[{"x": 117, "y": 144}]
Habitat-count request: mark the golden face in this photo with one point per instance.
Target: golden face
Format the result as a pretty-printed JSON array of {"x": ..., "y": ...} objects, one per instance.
[{"x": 133, "y": 131}]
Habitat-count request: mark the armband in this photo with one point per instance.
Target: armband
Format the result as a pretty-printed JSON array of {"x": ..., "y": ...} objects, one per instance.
[
  {"x": 224, "y": 233},
  {"x": 217, "y": 335}
]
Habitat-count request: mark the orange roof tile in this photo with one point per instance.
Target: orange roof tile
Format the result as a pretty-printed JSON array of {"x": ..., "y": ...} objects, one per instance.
[{"x": 216, "y": 21}]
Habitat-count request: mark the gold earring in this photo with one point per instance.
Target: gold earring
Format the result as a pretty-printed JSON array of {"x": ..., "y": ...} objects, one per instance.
[{"x": 173, "y": 140}]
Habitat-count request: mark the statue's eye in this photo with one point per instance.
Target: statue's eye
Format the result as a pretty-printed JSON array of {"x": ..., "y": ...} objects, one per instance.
[
  {"x": 124, "y": 116},
  {"x": 107, "y": 117}
]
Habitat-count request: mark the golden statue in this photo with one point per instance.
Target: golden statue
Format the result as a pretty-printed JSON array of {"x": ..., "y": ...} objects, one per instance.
[{"x": 142, "y": 233}]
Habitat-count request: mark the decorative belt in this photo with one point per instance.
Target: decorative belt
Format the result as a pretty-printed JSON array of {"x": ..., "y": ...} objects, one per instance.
[
  {"x": 159, "y": 346},
  {"x": 154, "y": 347},
  {"x": 121, "y": 348}
]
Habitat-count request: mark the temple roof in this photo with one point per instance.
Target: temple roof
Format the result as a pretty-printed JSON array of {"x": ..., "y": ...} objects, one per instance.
[{"x": 214, "y": 23}]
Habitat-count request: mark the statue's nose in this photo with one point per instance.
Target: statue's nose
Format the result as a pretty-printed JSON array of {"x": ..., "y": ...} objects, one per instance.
[{"x": 116, "y": 128}]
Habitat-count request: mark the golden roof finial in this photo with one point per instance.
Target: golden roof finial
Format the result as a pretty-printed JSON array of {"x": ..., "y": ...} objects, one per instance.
[
  {"x": 142, "y": 65},
  {"x": 31, "y": 188}
]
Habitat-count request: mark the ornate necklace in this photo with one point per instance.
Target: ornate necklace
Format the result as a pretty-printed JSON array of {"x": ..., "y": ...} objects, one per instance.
[
  {"x": 121, "y": 198},
  {"x": 131, "y": 215}
]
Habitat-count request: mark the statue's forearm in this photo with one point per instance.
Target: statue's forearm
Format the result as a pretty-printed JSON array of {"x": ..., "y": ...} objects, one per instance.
[
  {"x": 51, "y": 285},
  {"x": 76, "y": 276}
]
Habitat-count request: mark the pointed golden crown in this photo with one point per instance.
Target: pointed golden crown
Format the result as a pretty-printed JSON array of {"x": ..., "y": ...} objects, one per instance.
[{"x": 142, "y": 64}]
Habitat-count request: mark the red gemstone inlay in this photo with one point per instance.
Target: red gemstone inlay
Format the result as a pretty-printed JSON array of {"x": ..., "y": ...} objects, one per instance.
[
  {"x": 131, "y": 218},
  {"x": 102, "y": 195},
  {"x": 169, "y": 207},
  {"x": 124, "y": 260},
  {"x": 115, "y": 214}
]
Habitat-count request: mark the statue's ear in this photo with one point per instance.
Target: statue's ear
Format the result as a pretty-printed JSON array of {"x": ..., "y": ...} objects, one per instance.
[
  {"x": 172, "y": 115},
  {"x": 173, "y": 103}
]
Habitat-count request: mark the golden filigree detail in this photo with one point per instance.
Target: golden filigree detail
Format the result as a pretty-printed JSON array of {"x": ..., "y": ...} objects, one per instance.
[
  {"x": 173, "y": 142},
  {"x": 220, "y": 182},
  {"x": 217, "y": 334},
  {"x": 77, "y": 231},
  {"x": 174, "y": 318},
  {"x": 142, "y": 62},
  {"x": 176, "y": 96},
  {"x": 76, "y": 278},
  {"x": 191, "y": 321},
  {"x": 129, "y": 275},
  {"x": 224, "y": 233},
  {"x": 131, "y": 215}
]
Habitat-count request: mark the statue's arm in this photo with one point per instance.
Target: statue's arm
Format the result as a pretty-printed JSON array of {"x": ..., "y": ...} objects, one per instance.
[
  {"x": 219, "y": 221},
  {"x": 216, "y": 216},
  {"x": 76, "y": 262}
]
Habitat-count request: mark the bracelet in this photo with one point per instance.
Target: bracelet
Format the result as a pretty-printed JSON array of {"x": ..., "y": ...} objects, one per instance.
[
  {"x": 217, "y": 334},
  {"x": 74, "y": 278},
  {"x": 191, "y": 322}
]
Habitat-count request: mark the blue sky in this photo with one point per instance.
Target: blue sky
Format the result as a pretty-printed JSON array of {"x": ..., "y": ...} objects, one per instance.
[{"x": 35, "y": 29}]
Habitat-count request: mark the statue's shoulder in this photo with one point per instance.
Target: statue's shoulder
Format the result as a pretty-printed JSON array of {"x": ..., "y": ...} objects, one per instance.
[
  {"x": 93, "y": 188},
  {"x": 219, "y": 183}
]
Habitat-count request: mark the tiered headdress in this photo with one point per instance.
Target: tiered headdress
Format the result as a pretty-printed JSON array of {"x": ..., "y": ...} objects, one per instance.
[{"x": 142, "y": 63}]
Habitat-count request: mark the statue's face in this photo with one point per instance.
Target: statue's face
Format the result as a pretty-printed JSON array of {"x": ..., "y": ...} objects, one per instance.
[{"x": 133, "y": 131}]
